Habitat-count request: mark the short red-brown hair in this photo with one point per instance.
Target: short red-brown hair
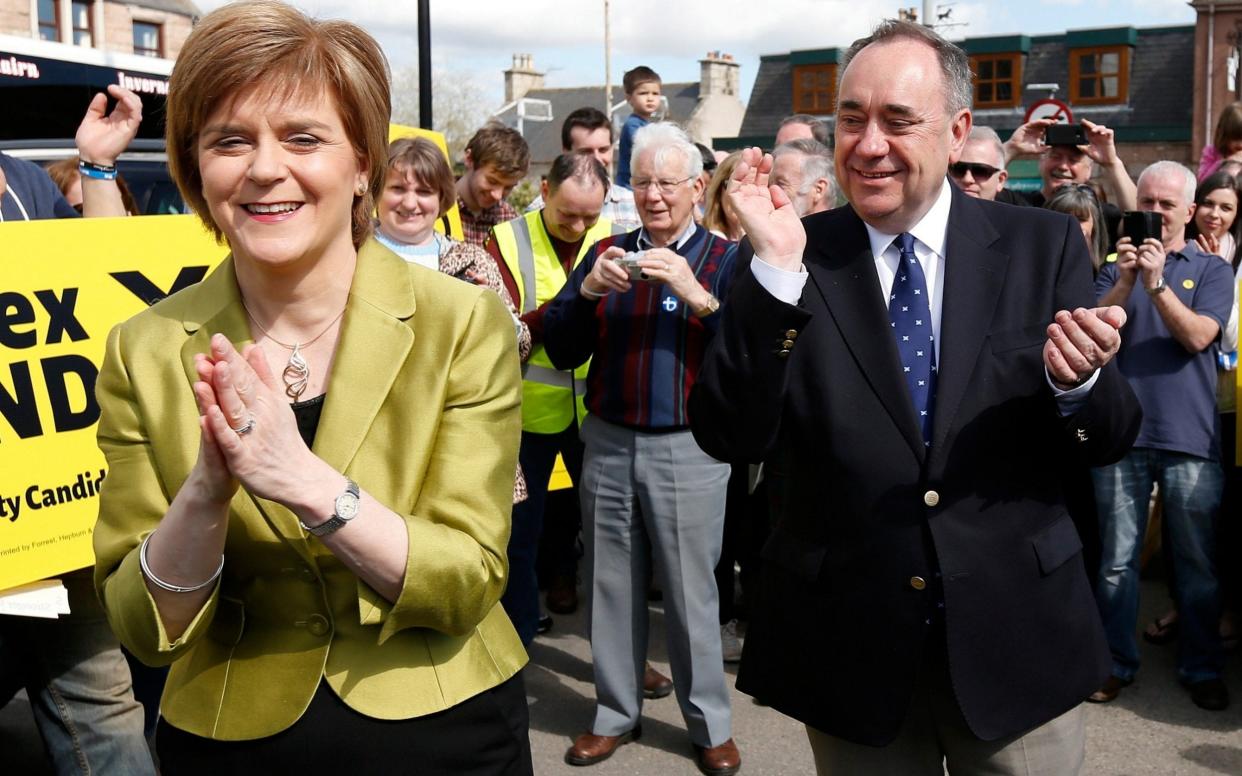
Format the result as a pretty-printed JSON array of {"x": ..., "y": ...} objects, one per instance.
[{"x": 273, "y": 47}]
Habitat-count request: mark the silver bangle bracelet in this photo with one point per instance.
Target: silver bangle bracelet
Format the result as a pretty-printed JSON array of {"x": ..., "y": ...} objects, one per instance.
[
  {"x": 589, "y": 294},
  {"x": 161, "y": 584}
]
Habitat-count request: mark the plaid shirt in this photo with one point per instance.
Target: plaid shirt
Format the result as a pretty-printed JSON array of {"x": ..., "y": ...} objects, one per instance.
[
  {"x": 476, "y": 228},
  {"x": 645, "y": 346}
]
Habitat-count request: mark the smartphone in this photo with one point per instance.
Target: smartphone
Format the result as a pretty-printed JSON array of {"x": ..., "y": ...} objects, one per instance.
[
  {"x": 629, "y": 263},
  {"x": 1065, "y": 135},
  {"x": 1138, "y": 225}
]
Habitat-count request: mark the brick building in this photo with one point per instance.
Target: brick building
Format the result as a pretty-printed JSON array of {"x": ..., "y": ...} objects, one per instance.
[
  {"x": 1139, "y": 81},
  {"x": 56, "y": 54}
]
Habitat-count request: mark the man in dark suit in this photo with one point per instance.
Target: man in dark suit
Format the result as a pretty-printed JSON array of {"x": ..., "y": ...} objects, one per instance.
[{"x": 915, "y": 369}]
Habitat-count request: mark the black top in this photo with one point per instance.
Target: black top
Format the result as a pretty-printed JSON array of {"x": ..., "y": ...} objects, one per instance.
[{"x": 308, "y": 412}]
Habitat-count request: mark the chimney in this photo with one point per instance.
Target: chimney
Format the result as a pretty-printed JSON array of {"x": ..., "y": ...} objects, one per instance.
[
  {"x": 718, "y": 74},
  {"x": 522, "y": 77}
]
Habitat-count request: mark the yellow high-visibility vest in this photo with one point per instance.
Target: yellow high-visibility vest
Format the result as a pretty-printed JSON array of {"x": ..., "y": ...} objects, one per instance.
[{"x": 548, "y": 393}]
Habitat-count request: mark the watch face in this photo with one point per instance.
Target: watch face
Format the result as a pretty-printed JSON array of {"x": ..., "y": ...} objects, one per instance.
[{"x": 346, "y": 506}]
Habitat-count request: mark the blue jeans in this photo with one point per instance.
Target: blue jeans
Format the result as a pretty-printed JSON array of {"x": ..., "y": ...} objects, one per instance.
[
  {"x": 537, "y": 456},
  {"x": 1191, "y": 489},
  {"x": 79, "y": 687}
]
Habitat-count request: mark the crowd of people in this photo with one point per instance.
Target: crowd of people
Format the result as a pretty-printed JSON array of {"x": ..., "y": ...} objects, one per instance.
[{"x": 738, "y": 374}]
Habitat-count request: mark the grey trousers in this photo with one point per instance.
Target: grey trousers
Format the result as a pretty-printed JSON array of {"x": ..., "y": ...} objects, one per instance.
[
  {"x": 654, "y": 497},
  {"x": 934, "y": 738}
]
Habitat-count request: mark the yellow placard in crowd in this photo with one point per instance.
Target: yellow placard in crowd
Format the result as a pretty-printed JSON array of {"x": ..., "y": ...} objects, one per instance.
[{"x": 65, "y": 284}]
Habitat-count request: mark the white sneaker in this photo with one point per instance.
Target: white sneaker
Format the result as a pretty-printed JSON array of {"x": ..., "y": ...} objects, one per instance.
[{"x": 730, "y": 644}]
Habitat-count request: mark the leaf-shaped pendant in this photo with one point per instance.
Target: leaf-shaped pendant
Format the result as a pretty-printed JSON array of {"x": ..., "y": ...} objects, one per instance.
[{"x": 296, "y": 374}]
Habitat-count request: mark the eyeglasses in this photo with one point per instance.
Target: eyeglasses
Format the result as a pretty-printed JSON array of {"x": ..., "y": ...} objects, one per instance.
[
  {"x": 665, "y": 187},
  {"x": 1086, "y": 188},
  {"x": 980, "y": 172}
]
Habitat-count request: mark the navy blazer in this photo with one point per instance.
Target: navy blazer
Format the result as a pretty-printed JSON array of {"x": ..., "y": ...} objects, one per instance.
[{"x": 864, "y": 515}]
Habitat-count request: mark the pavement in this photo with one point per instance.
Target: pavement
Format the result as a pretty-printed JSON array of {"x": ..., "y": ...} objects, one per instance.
[{"x": 1152, "y": 728}]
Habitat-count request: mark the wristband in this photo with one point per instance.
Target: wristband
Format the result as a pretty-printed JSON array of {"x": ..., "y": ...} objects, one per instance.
[
  {"x": 99, "y": 172},
  {"x": 589, "y": 294}
]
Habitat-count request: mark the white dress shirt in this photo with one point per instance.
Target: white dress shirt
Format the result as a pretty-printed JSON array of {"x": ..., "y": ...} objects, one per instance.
[{"x": 929, "y": 246}]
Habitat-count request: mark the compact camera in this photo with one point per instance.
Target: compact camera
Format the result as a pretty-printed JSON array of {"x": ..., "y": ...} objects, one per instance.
[{"x": 629, "y": 263}]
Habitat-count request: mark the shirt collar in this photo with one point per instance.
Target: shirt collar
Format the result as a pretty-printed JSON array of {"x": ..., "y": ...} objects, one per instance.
[
  {"x": 930, "y": 230},
  {"x": 644, "y": 241},
  {"x": 617, "y": 193},
  {"x": 1191, "y": 248}
]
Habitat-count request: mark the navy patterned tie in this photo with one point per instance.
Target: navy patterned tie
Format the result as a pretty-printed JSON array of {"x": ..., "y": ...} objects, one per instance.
[{"x": 910, "y": 311}]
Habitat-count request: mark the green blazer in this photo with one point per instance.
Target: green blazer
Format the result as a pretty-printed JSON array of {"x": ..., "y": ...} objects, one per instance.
[{"x": 422, "y": 411}]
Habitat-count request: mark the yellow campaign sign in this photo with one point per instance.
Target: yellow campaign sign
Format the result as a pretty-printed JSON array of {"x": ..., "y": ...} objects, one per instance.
[{"x": 65, "y": 284}]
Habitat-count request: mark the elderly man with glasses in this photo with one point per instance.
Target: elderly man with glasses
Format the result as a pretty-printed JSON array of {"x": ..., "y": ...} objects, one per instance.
[
  {"x": 980, "y": 172},
  {"x": 643, "y": 307}
]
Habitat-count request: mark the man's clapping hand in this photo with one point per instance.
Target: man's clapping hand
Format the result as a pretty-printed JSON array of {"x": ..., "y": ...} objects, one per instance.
[{"x": 767, "y": 216}]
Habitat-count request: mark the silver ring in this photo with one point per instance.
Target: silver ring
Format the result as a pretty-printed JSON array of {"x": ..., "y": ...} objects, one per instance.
[
  {"x": 666, "y": 265},
  {"x": 246, "y": 427}
]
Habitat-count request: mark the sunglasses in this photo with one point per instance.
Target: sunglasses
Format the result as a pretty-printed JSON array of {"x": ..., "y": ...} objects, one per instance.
[{"x": 980, "y": 172}]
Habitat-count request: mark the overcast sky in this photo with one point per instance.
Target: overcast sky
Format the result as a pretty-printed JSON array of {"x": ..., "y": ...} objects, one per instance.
[{"x": 566, "y": 36}]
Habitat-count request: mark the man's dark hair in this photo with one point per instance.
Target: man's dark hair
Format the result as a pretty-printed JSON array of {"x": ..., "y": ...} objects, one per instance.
[
  {"x": 502, "y": 147},
  {"x": 589, "y": 119},
  {"x": 709, "y": 158},
  {"x": 954, "y": 64},
  {"x": 581, "y": 166},
  {"x": 819, "y": 129},
  {"x": 639, "y": 75}
]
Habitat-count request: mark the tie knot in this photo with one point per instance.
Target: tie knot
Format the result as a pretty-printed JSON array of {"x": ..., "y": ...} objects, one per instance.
[{"x": 905, "y": 243}]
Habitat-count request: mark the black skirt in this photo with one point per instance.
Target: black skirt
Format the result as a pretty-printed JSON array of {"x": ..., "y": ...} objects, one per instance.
[{"x": 486, "y": 734}]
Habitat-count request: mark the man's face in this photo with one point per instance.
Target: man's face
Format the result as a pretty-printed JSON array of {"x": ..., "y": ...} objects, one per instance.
[
  {"x": 664, "y": 214},
  {"x": 572, "y": 209},
  {"x": 793, "y": 131},
  {"x": 787, "y": 176},
  {"x": 807, "y": 196},
  {"x": 1063, "y": 165},
  {"x": 980, "y": 170},
  {"x": 485, "y": 186},
  {"x": 1165, "y": 194},
  {"x": 895, "y": 139},
  {"x": 596, "y": 141}
]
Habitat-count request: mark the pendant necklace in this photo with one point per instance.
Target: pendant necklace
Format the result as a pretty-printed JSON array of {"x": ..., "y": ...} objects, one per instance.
[{"x": 297, "y": 371}]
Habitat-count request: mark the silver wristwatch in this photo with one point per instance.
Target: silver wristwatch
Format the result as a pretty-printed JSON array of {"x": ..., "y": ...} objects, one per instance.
[
  {"x": 343, "y": 510},
  {"x": 1158, "y": 288}
]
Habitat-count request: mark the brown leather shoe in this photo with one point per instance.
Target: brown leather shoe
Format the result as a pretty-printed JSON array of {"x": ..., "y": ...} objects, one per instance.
[
  {"x": 1109, "y": 691},
  {"x": 589, "y": 748},
  {"x": 655, "y": 684},
  {"x": 562, "y": 595},
  {"x": 722, "y": 760}
]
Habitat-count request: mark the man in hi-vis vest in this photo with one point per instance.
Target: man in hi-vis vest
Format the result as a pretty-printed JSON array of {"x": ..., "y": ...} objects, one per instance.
[{"x": 535, "y": 253}]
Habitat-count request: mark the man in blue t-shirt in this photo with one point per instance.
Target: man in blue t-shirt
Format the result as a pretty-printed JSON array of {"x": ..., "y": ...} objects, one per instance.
[
  {"x": 27, "y": 193},
  {"x": 1177, "y": 300}
]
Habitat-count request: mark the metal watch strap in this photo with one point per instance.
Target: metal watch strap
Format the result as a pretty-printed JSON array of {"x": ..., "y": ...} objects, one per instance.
[
  {"x": 336, "y": 522},
  {"x": 1158, "y": 288},
  {"x": 712, "y": 305}
]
